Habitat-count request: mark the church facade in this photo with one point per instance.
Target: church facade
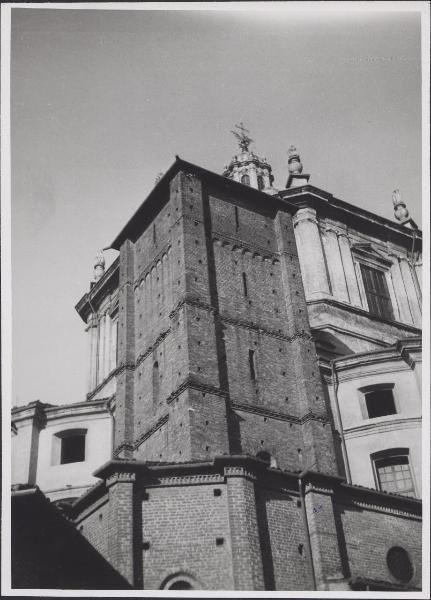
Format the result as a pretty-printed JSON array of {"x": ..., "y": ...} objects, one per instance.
[{"x": 253, "y": 413}]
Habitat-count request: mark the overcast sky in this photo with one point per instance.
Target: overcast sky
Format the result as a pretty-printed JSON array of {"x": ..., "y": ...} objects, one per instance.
[{"x": 103, "y": 100}]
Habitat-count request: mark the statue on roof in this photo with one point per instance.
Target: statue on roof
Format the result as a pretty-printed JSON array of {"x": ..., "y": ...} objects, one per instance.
[{"x": 244, "y": 140}]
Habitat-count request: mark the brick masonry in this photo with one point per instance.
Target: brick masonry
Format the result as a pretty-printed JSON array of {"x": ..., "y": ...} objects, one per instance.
[
  {"x": 217, "y": 365},
  {"x": 233, "y": 523}
]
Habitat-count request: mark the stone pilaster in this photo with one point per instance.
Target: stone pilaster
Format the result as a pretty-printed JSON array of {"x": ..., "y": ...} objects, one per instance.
[
  {"x": 310, "y": 252},
  {"x": 411, "y": 290},
  {"x": 405, "y": 315},
  {"x": 107, "y": 361},
  {"x": 349, "y": 269},
  {"x": 26, "y": 443},
  {"x": 335, "y": 265},
  {"x": 91, "y": 352},
  {"x": 101, "y": 349}
]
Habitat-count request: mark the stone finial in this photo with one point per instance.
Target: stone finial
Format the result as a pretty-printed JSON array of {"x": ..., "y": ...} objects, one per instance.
[
  {"x": 99, "y": 265},
  {"x": 294, "y": 165},
  {"x": 158, "y": 178},
  {"x": 400, "y": 211},
  {"x": 294, "y": 161}
]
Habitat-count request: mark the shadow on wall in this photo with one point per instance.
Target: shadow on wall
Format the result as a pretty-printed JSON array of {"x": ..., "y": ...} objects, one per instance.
[{"x": 49, "y": 553}]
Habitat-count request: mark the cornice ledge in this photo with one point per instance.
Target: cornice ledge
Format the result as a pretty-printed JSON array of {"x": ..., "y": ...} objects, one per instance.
[
  {"x": 364, "y": 313},
  {"x": 191, "y": 382},
  {"x": 375, "y": 499},
  {"x": 324, "y": 483}
]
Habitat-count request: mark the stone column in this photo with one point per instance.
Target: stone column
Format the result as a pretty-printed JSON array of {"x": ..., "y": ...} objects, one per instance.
[
  {"x": 400, "y": 292},
  {"x": 245, "y": 541},
  {"x": 412, "y": 295},
  {"x": 349, "y": 269},
  {"x": 335, "y": 265},
  {"x": 310, "y": 254}
]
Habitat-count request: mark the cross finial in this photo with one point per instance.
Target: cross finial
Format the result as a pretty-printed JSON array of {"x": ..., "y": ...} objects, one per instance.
[{"x": 244, "y": 140}]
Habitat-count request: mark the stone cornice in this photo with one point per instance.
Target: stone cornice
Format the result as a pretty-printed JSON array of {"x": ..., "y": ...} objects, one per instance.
[
  {"x": 99, "y": 291},
  {"x": 389, "y": 424},
  {"x": 364, "y": 313},
  {"x": 48, "y": 412},
  {"x": 327, "y": 205},
  {"x": 362, "y": 359},
  {"x": 225, "y": 466}
]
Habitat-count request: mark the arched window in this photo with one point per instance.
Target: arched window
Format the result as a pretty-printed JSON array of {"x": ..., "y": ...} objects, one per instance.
[
  {"x": 180, "y": 585},
  {"x": 245, "y": 179},
  {"x": 180, "y": 581},
  {"x": 260, "y": 182}
]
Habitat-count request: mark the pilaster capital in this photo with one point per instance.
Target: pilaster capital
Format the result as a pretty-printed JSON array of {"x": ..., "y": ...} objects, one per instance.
[{"x": 305, "y": 214}]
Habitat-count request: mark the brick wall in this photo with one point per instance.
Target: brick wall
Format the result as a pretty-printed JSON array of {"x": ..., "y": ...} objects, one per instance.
[
  {"x": 181, "y": 526},
  {"x": 370, "y": 532}
]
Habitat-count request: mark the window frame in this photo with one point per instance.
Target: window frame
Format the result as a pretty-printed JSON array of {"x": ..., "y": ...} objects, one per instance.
[
  {"x": 57, "y": 444},
  {"x": 364, "y": 254},
  {"x": 376, "y": 387},
  {"x": 388, "y": 454}
]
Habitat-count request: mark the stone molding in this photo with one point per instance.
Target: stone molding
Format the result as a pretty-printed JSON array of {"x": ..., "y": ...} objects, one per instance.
[
  {"x": 120, "y": 477},
  {"x": 382, "y": 426},
  {"x": 362, "y": 312},
  {"x": 235, "y": 243},
  {"x": 153, "y": 346},
  {"x": 150, "y": 431},
  {"x": 154, "y": 474}
]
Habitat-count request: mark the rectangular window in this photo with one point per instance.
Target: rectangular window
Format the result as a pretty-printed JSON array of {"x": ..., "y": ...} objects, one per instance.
[
  {"x": 394, "y": 475},
  {"x": 252, "y": 365},
  {"x": 72, "y": 449},
  {"x": 376, "y": 290},
  {"x": 380, "y": 402},
  {"x": 236, "y": 218},
  {"x": 244, "y": 284}
]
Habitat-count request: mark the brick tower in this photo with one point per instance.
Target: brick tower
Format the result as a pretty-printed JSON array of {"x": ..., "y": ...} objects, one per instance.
[{"x": 224, "y": 473}]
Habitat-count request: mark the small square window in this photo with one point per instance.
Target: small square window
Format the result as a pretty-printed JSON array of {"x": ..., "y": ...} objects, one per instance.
[
  {"x": 72, "y": 449},
  {"x": 69, "y": 446},
  {"x": 380, "y": 403}
]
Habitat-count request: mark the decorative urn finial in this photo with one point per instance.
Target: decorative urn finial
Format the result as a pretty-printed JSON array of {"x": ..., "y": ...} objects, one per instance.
[
  {"x": 294, "y": 161},
  {"x": 294, "y": 166},
  {"x": 400, "y": 211},
  {"x": 158, "y": 178},
  {"x": 99, "y": 265}
]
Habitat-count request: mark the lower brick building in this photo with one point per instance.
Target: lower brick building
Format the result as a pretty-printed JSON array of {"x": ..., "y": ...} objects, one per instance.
[{"x": 249, "y": 355}]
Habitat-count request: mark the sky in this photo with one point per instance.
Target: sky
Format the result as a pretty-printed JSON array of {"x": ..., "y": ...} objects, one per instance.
[{"x": 102, "y": 101}]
